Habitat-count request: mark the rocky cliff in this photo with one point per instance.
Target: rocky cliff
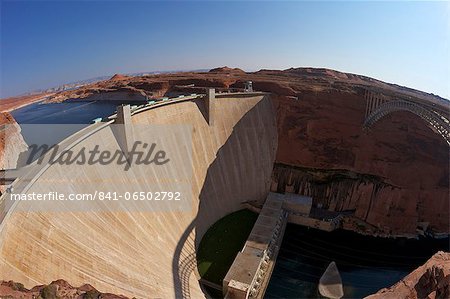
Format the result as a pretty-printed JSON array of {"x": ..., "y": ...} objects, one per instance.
[
  {"x": 399, "y": 169},
  {"x": 56, "y": 289},
  {"x": 431, "y": 281},
  {"x": 11, "y": 143}
]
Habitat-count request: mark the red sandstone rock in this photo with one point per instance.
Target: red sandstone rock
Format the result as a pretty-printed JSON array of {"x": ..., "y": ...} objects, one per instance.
[
  {"x": 11, "y": 143},
  {"x": 57, "y": 289},
  {"x": 431, "y": 280},
  {"x": 228, "y": 70},
  {"x": 12, "y": 103}
]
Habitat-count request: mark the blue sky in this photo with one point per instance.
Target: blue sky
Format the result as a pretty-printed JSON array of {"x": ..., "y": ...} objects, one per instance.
[{"x": 45, "y": 44}]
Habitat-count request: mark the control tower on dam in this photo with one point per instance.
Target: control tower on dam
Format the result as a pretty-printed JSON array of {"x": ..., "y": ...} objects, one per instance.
[{"x": 134, "y": 250}]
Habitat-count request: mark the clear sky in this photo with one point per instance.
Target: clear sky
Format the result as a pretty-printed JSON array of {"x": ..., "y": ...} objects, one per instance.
[{"x": 45, "y": 44}]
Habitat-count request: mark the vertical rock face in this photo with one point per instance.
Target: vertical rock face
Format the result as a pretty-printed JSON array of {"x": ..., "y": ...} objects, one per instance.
[
  {"x": 399, "y": 169},
  {"x": 337, "y": 190},
  {"x": 11, "y": 144},
  {"x": 431, "y": 280}
]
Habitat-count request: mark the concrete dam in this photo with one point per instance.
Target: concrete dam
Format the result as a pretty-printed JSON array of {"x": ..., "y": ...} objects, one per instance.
[{"x": 139, "y": 252}]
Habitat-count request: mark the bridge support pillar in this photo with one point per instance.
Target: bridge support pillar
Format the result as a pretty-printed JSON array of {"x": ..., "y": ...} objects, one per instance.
[{"x": 210, "y": 105}]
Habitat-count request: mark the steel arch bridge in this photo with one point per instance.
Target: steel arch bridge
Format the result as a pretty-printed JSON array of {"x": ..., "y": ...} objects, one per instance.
[{"x": 439, "y": 123}]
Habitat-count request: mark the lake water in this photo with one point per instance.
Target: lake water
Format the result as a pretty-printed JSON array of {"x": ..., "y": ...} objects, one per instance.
[
  {"x": 75, "y": 115},
  {"x": 366, "y": 264},
  {"x": 64, "y": 113}
]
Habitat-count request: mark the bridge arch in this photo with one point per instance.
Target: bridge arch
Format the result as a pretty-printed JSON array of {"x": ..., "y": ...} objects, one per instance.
[{"x": 436, "y": 121}]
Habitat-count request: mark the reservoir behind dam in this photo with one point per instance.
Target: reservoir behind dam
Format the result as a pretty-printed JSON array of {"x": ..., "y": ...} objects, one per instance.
[
  {"x": 74, "y": 114},
  {"x": 70, "y": 112}
]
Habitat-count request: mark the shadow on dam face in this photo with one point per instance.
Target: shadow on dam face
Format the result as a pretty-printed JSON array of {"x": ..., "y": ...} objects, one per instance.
[{"x": 240, "y": 172}]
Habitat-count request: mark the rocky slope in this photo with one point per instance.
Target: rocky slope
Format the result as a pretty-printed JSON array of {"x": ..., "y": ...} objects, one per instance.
[
  {"x": 285, "y": 83},
  {"x": 12, "y": 103},
  {"x": 11, "y": 143},
  {"x": 56, "y": 289},
  {"x": 431, "y": 281}
]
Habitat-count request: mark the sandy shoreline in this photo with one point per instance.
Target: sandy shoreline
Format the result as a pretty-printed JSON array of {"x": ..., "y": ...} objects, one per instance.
[{"x": 14, "y": 103}]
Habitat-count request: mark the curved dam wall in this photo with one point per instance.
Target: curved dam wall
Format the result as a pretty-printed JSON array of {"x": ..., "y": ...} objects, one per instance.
[{"x": 145, "y": 253}]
